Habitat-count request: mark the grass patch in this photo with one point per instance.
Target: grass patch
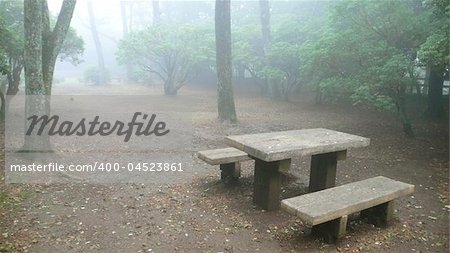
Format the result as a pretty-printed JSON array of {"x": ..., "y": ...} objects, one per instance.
[
  {"x": 4, "y": 199},
  {"x": 9, "y": 198}
]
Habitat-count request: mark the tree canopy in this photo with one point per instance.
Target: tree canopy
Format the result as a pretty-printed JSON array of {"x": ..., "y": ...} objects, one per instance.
[
  {"x": 170, "y": 51},
  {"x": 12, "y": 44},
  {"x": 368, "y": 53}
]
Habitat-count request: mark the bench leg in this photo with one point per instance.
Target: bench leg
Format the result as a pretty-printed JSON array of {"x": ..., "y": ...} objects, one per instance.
[
  {"x": 379, "y": 215},
  {"x": 323, "y": 171},
  {"x": 230, "y": 172},
  {"x": 267, "y": 183},
  {"x": 331, "y": 230}
]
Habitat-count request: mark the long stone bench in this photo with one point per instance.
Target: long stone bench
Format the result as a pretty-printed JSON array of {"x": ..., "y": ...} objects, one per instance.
[
  {"x": 229, "y": 160},
  {"x": 327, "y": 210}
]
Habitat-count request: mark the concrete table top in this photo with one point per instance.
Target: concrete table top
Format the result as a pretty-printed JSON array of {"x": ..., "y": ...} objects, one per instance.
[{"x": 275, "y": 146}]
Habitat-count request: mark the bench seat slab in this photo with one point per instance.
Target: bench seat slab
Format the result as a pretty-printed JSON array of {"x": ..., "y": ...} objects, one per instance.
[
  {"x": 333, "y": 203},
  {"x": 223, "y": 156}
]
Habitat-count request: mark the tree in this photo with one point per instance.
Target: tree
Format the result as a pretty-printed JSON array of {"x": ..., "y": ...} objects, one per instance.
[
  {"x": 270, "y": 87},
  {"x": 12, "y": 44},
  {"x": 42, "y": 46},
  {"x": 283, "y": 71},
  {"x": 225, "y": 99},
  {"x": 98, "y": 45},
  {"x": 284, "y": 59},
  {"x": 4, "y": 69},
  {"x": 125, "y": 30},
  {"x": 169, "y": 51},
  {"x": 434, "y": 54},
  {"x": 368, "y": 52},
  {"x": 247, "y": 51}
]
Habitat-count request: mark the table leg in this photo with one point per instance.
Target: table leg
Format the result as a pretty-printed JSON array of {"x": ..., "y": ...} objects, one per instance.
[
  {"x": 323, "y": 170},
  {"x": 267, "y": 183}
]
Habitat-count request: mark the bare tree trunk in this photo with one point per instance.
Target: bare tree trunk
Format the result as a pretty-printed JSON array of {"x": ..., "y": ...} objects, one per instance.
[
  {"x": 33, "y": 47},
  {"x": 225, "y": 99},
  {"x": 123, "y": 12},
  {"x": 3, "y": 106},
  {"x": 435, "y": 109},
  {"x": 406, "y": 123},
  {"x": 156, "y": 12},
  {"x": 42, "y": 46},
  {"x": 98, "y": 45},
  {"x": 34, "y": 82},
  {"x": 400, "y": 105},
  {"x": 53, "y": 39},
  {"x": 14, "y": 80},
  {"x": 271, "y": 87}
]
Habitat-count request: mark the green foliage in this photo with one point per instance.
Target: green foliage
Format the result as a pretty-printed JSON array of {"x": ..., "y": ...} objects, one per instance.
[
  {"x": 283, "y": 62},
  {"x": 11, "y": 30},
  {"x": 4, "y": 34},
  {"x": 367, "y": 52},
  {"x": 73, "y": 48},
  {"x": 170, "y": 51},
  {"x": 12, "y": 41},
  {"x": 91, "y": 75},
  {"x": 247, "y": 48},
  {"x": 435, "y": 52},
  {"x": 139, "y": 75}
]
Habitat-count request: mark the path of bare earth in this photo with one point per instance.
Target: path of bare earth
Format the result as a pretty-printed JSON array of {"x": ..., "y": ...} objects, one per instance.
[{"x": 202, "y": 215}]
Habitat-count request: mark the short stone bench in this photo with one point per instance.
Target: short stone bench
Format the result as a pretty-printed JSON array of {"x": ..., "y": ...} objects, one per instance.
[
  {"x": 229, "y": 160},
  {"x": 327, "y": 210}
]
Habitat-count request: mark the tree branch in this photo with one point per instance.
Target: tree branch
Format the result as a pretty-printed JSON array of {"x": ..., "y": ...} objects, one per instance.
[
  {"x": 149, "y": 69},
  {"x": 62, "y": 25}
]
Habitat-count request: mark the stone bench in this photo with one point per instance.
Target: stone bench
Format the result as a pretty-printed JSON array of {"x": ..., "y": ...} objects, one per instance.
[
  {"x": 229, "y": 160},
  {"x": 327, "y": 210}
]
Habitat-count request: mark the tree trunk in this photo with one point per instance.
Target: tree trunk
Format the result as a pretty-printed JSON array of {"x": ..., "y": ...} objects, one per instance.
[
  {"x": 3, "y": 106},
  {"x": 170, "y": 88},
  {"x": 271, "y": 85},
  {"x": 225, "y": 99},
  {"x": 13, "y": 81},
  {"x": 240, "y": 72},
  {"x": 42, "y": 46},
  {"x": 53, "y": 39},
  {"x": 98, "y": 45},
  {"x": 34, "y": 82},
  {"x": 406, "y": 123},
  {"x": 33, "y": 47},
  {"x": 435, "y": 109},
  {"x": 123, "y": 12},
  {"x": 156, "y": 12}
]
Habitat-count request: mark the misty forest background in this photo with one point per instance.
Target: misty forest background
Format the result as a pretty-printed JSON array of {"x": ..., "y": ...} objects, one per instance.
[
  {"x": 384, "y": 54},
  {"x": 374, "y": 68}
]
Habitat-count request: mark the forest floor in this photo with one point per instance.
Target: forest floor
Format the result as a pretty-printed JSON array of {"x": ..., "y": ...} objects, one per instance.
[{"x": 203, "y": 215}]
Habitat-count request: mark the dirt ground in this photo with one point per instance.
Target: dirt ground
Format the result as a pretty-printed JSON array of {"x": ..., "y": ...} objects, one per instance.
[{"x": 203, "y": 215}]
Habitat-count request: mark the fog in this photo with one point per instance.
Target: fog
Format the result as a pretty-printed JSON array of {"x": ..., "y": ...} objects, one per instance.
[
  {"x": 107, "y": 14},
  {"x": 139, "y": 15},
  {"x": 224, "y": 126}
]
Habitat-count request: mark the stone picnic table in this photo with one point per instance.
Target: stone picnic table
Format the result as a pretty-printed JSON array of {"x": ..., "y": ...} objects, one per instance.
[{"x": 273, "y": 153}]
